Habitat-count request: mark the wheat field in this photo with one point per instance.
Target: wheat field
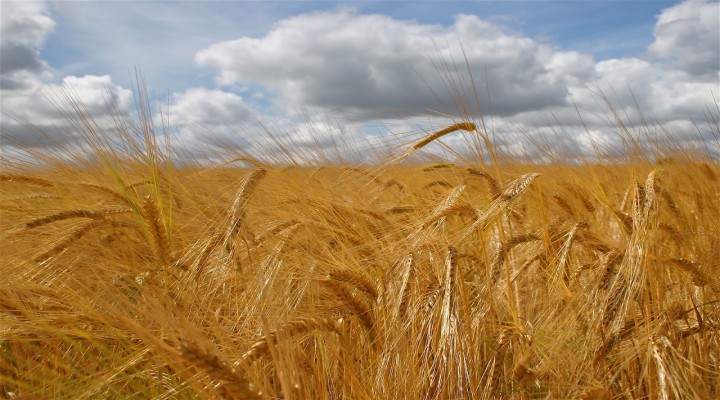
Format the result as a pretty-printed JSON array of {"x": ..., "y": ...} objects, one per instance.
[{"x": 128, "y": 276}]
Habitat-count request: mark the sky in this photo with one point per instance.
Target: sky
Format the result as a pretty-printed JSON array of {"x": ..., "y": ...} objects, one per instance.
[{"x": 229, "y": 75}]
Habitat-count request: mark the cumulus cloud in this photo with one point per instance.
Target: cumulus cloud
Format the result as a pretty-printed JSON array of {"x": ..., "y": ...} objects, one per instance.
[
  {"x": 24, "y": 28},
  {"x": 688, "y": 36},
  {"x": 47, "y": 116},
  {"x": 350, "y": 62},
  {"x": 209, "y": 107},
  {"x": 203, "y": 116},
  {"x": 37, "y": 113},
  {"x": 374, "y": 67}
]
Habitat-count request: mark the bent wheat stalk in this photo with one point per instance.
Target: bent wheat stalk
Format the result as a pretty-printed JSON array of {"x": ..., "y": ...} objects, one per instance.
[
  {"x": 237, "y": 212},
  {"x": 357, "y": 280},
  {"x": 510, "y": 195},
  {"x": 74, "y": 214},
  {"x": 463, "y": 126},
  {"x": 208, "y": 361},
  {"x": 503, "y": 251},
  {"x": 74, "y": 237},
  {"x": 30, "y": 180},
  {"x": 158, "y": 230},
  {"x": 294, "y": 328}
]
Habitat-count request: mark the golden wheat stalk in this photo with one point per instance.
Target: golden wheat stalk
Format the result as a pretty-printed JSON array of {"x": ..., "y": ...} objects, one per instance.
[
  {"x": 74, "y": 237},
  {"x": 512, "y": 193},
  {"x": 357, "y": 280},
  {"x": 288, "y": 330},
  {"x": 631, "y": 277},
  {"x": 492, "y": 183},
  {"x": 352, "y": 303},
  {"x": 209, "y": 361},
  {"x": 69, "y": 214},
  {"x": 155, "y": 224},
  {"x": 441, "y": 209},
  {"x": 282, "y": 227},
  {"x": 462, "y": 126},
  {"x": 400, "y": 305},
  {"x": 503, "y": 251},
  {"x": 466, "y": 126},
  {"x": 237, "y": 211},
  {"x": 30, "y": 180},
  {"x": 447, "y": 326},
  {"x": 106, "y": 190}
]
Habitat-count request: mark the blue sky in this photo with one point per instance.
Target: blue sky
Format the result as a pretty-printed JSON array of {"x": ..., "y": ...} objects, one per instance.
[{"x": 226, "y": 68}]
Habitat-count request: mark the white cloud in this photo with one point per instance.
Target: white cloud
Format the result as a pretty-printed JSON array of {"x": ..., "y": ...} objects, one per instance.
[
  {"x": 368, "y": 63},
  {"x": 24, "y": 28},
  {"x": 372, "y": 66},
  {"x": 203, "y": 117},
  {"x": 688, "y": 36},
  {"x": 209, "y": 107},
  {"x": 47, "y": 116},
  {"x": 25, "y": 22}
]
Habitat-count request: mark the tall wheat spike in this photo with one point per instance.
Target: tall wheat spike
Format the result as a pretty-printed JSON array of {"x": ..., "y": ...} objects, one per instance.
[
  {"x": 210, "y": 362},
  {"x": 237, "y": 211},
  {"x": 511, "y": 193}
]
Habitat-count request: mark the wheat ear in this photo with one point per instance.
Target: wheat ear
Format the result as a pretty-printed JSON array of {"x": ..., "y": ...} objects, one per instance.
[
  {"x": 72, "y": 238},
  {"x": 157, "y": 229},
  {"x": 502, "y": 252},
  {"x": 510, "y": 195},
  {"x": 444, "y": 205},
  {"x": 693, "y": 269},
  {"x": 237, "y": 212},
  {"x": 582, "y": 195},
  {"x": 30, "y": 180},
  {"x": 518, "y": 187},
  {"x": 357, "y": 280},
  {"x": 294, "y": 328},
  {"x": 207, "y": 360},
  {"x": 355, "y": 304},
  {"x": 104, "y": 189},
  {"x": 74, "y": 214},
  {"x": 564, "y": 205},
  {"x": 494, "y": 186},
  {"x": 464, "y": 126}
]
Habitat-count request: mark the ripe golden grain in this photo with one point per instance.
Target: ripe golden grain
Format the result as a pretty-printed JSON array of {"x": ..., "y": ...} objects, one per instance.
[
  {"x": 288, "y": 330},
  {"x": 213, "y": 365},
  {"x": 503, "y": 251},
  {"x": 517, "y": 187},
  {"x": 72, "y": 238},
  {"x": 693, "y": 269},
  {"x": 465, "y": 126},
  {"x": 69, "y": 214},
  {"x": 246, "y": 189},
  {"x": 357, "y": 280},
  {"x": 564, "y": 205},
  {"x": 404, "y": 268},
  {"x": 492, "y": 183},
  {"x": 155, "y": 224},
  {"x": 354, "y": 304},
  {"x": 106, "y": 190},
  {"x": 30, "y": 180}
]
